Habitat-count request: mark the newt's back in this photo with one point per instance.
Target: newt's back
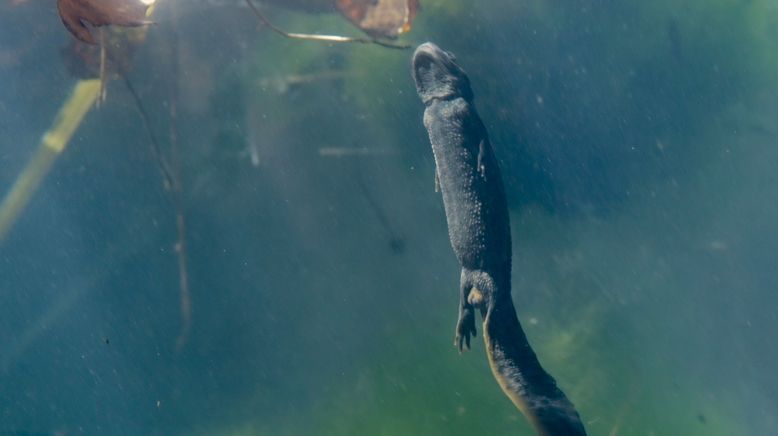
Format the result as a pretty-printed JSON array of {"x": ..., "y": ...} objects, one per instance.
[{"x": 468, "y": 173}]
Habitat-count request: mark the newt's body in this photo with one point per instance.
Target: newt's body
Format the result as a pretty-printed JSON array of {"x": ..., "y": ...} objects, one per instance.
[{"x": 479, "y": 229}]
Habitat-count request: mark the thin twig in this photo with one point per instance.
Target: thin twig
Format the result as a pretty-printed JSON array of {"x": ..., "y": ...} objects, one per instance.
[
  {"x": 171, "y": 175},
  {"x": 322, "y": 38},
  {"x": 185, "y": 296},
  {"x": 183, "y": 280},
  {"x": 156, "y": 150},
  {"x": 103, "y": 68},
  {"x": 396, "y": 242}
]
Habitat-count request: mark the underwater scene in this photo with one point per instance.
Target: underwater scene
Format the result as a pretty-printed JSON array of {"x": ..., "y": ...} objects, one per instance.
[{"x": 298, "y": 217}]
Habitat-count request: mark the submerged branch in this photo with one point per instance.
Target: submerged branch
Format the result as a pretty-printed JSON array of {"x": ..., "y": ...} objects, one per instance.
[
  {"x": 322, "y": 38},
  {"x": 156, "y": 150},
  {"x": 171, "y": 175},
  {"x": 185, "y": 296},
  {"x": 103, "y": 68}
]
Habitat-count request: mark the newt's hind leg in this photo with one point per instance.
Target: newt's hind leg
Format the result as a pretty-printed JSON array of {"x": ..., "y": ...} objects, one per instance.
[{"x": 466, "y": 323}]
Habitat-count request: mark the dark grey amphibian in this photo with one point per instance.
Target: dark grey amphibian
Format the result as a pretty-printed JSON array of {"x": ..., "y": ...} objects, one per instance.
[{"x": 474, "y": 199}]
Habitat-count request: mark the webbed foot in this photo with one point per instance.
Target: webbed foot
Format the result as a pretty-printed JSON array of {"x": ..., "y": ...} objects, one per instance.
[
  {"x": 470, "y": 299},
  {"x": 465, "y": 327}
]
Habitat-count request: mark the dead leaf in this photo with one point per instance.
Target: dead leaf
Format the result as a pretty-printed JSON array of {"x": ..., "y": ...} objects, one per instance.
[
  {"x": 380, "y": 18},
  {"x": 76, "y": 14}
]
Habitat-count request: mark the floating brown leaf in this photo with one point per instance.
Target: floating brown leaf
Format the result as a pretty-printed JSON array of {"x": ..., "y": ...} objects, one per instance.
[
  {"x": 380, "y": 18},
  {"x": 76, "y": 14}
]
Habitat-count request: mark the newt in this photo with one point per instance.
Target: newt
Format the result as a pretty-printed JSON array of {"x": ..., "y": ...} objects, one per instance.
[{"x": 469, "y": 179}]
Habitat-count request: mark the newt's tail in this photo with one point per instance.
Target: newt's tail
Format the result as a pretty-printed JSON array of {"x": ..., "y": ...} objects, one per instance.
[{"x": 521, "y": 377}]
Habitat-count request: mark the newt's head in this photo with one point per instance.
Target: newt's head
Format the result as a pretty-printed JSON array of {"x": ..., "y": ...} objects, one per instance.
[{"x": 437, "y": 74}]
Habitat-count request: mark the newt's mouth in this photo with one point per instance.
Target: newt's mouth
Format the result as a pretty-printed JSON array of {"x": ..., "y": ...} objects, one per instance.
[
  {"x": 431, "y": 53},
  {"x": 437, "y": 74}
]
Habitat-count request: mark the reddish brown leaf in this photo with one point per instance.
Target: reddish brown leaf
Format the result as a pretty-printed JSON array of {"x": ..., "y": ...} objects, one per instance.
[
  {"x": 380, "y": 18},
  {"x": 76, "y": 14}
]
